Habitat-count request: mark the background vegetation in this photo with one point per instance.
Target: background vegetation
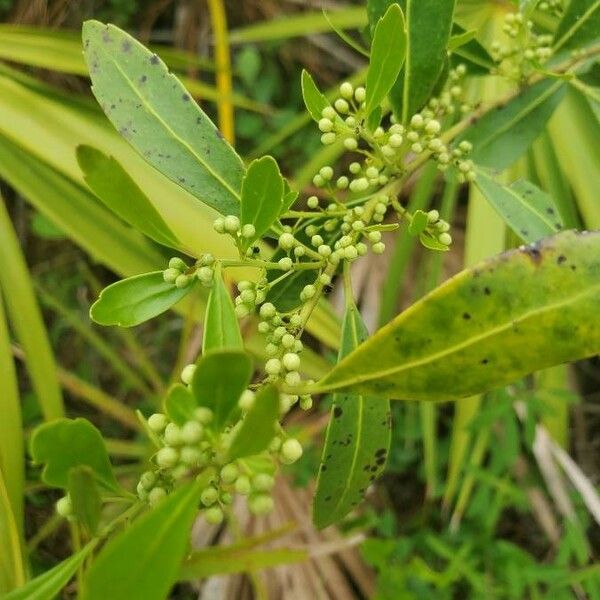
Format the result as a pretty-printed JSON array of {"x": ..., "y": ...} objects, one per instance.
[{"x": 493, "y": 497}]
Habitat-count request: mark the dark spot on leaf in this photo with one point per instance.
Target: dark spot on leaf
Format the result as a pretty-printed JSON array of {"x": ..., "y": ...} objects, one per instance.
[
  {"x": 487, "y": 291},
  {"x": 485, "y": 361},
  {"x": 573, "y": 268},
  {"x": 328, "y": 289},
  {"x": 381, "y": 452},
  {"x": 550, "y": 211},
  {"x": 327, "y": 498},
  {"x": 558, "y": 225},
  {"x": 126, "y": 46},
  {"x": 198, "y": 120},
  {"x": 524, "y": 232},
  {"x": 323, "y": 467},
  {"x": 106, "y": 37},
  {"x": 561, "y": 259},
  {"x": 219, "y": 134},
  {"x": 374, "y": 469},
  {"x": 380, "y": 461},
  {"x": 533, "y": 251},
  {"x": 185, "y": 97},
  {"x": 143, "y": 79},
  {"x": 154, "y": 60},
  {"x": 466, "y": 316},
  {"x": 337, "y": 411}
]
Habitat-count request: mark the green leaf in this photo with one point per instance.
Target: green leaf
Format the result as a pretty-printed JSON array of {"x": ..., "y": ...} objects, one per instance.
[
  {"x": 285, "y": 295},
  {"x": 134, "y": 300},
  {"x": 180, "y": 404},
  {"x": 461, "y": 39},
  {"x": 579, "y": 26},
  {"x": 357, "y": 440},
  {"x": 158, "y": 117},
  {"x": 221, "y": 328},
  {"x": 66, "y": 443},
  {"x": 345, "y": 37},
  {"x": 262, "y": 196},
  {"x": 12, "y": 568},
  {"x": 503, "y": 135},
  {"x": 119, "y": 192},
  {"x": 158, "y": 541},
  {"x": 85, "y": 497},
  {"x": 258, "y": 426},
  {"x": 524, "y": 310},
  {"x": 428, "y": 23},
  {"x": 49, "y": 584},
  {"x": 374, "y": 119},
  {"x": 26, "y": 319},
  {"x": 528, "y": 211},
  {"x": 219, "y": 380},
  {"x": 419, "y": 223},
  {"x": 314, "y": 100},
  {"x": 375, "y": 10},
  {"x": 431, "y": 243},
  {"x": 387, "y": 56}
]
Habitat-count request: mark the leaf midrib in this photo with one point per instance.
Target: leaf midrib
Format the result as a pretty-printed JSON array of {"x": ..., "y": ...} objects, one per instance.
[
  {"x": 452, "y": 349},
  {"x": 577, "y": 25},
  {"x": 148, "y": 108}
]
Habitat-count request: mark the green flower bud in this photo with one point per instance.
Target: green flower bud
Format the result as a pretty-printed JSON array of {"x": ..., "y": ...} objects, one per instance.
[
  {"x": 378, "y": 248},
  {"x": 350, "y": 144},
  {"x": 205, "y": 274},
  {"x": 191, "y": 456},
  {"x": 263, "y": 482},
  {"x": 182, "y": 281},
  {"x": 328, "y": 138},
  {"x": 324, "y": 250},
  {"x": 203, "y": 415},
  {"x": 395, "y": 140},
  {"x": 192, "y": 432},
  {"x": 177, "y": 264},
  {"x": 293, "y": 378},
  {"x": 64, "y": 507},
  {"x": 374, "y": 236},
  {"x": 229, "y": 473},
  {"x": 342, "y": 182},
  {"x": 232, "y": 224},
  {"x": 173, "y": 435},
  {"x": 141, "y": 491},
  {"x": 309, "y": 291},
  {"x": 354, "y": 168},
  {"x": 306, "y": 402},
  {"x": 271, "y": 349},
  {"x": 445, "y": 238},
  {"x": 147, "y": 480},
  {"x": 360, "y": 94},
  {"x": 275, "y": 444},
  {"x": 156, "y": 495},
  {"x": 433, "y": 127},
  {"x": 273, "y": 366},
  {"x": 170, "y": 275},
  {"x": 433, "y": 216},
  {"x": 346, "y": 90},
  {"x": 246, "y": 401},
  {"x": 290, "y": 452},
  {"x": 417, "y": 121},
  {"x": 187, "y": 373},
  {"x": 325, "y": 125},
  {"x": 242, "y": 485},
  {"x": 219, "y": 225},
  {"x": 261, "y": 504},
  {"x": 341, "y": 106},
  {"x": 358, "y": 225},
  {"x": 287, "y": 341},
  {"x": 285, "y": 263},
  {"x": 267, "y": 311},
  {"x": 241, "y": 311},
  {"x": 248, "y": 296},
  {"x": 248, "y": 231},
  {"x": 316, "y": 240},
  {"x": 350, "y": 253},
  {"x": 167, "y": 457},
  {"x": 157, "y": 422},
  {"x": 359, "y": 185},
  {"x": 291, "y": 361},
  {"x": 209, "y": 496},
  {"x": 328, "y": 113},
  {"x": 312, "y": 202},
  {"x": 286, "y": 241},
  {"x": 214, "y": 515}
]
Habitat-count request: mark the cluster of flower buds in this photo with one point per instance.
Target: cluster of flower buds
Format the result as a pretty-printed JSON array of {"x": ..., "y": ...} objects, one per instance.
[
  {"x": 438, "y": 228},
  {"x": 181, "y": 275},
  {"x": 554, "y": 7},
  {"x": 230, "y": 225},
  {"x": 526, "y": 50}
]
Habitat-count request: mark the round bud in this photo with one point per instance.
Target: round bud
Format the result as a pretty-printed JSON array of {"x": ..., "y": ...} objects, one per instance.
[
  {"x": 328, "y": 138},
  {"x": 187, "y": 373},
  {"x": 374, "y": 236},
  {"x": 312, "y": 202},
  {"x": 204, "y": 274},
  {"x": 191, "y": 456},
  {"x": 306, "y": 402},
  {"x": 291, "y": 361},
  {"x": 350, "y": 252},
  {"x": 170, "y": 275},
  {"x": 395, "y": 140},
  {"x": 271, "y": 349},
  {"x": 316, "y": 240},
  {"x": 248, "y": 231},
  {"x": 350, "y": 144},
  {"x": 203, "y": 415},
  {"x": 229, "y": 473},
  {"x": 328, "y": 113},
  {"x": 433, "y": 216},
  {"x": 191, "y": 432},
  {"x": 141, "y": 491},
  {"x": 372, "y": 172},
  {"x": 167, "y": 458},
  {"x": 341, "y": 106},
  {"x": 325, "y": 125},
  {"x": 182, "y": 281},
  {"x": 263, "y": 482},
  {"x": 241, "y": 311},
  {"x": 291, "y": 451},
  {"x": 416, "y": 121},
  {"x": 359, "y": 185},
  {"x": 324, "y": 250},
  {"x": 285, "y": 263},
  {"x": 173, "y": 435},
  {"x": 177, "y": 264},
  {"x": 342, "y": 182},
  {"x": 287, "y": 341},
  {"x": 242, "y": 485},
  {"x": 360, "y": 94},
  {"x": 273, "y": 366},
  {"x": 156, "y": 495},
  {"x": 219, "y": 225},
  {"x": 279, "y": 332},
  {"x": 445, "y": 238},
  {"x": 354, "y": 168},
  {"x": 248, "y": 296},
  {"x": 147, "y": 480},
  {"x": 214, "y": 515},
  {"x": 261, "y": 504},
  {"x": 157, "y": 422},
  {"x": 232, "y": 224},
  {"x": 326, "y": 173},
  {"x": 358, "y": 225},
  {"x": 246, "y": 401},
  {"x": 378, "y": 248},
  {"x": 64, "y": 507},
  {"x": 309, "y": 291},
  {"x": 293, "y": 378},
  {"x": 433, "y": 127},
  {"x": 209, "y": 496},
  {"x": 267, "y": 310},
  {"x": 346, "y": 90}
]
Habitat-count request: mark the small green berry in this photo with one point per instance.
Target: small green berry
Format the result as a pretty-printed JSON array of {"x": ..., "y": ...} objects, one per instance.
[
  {"x": 246, "y": 401},
  {"x": 173, "y": 435},
  {"x": 378, "y": 248},
  {"x": 64, "y": 507},
  {"x": 209, "y": 496},
  {"x": 156, "y": 495},
  {"x": 167, "y": 457},
  {"x": 157, "y": 422},
  {"x": 291, "y": 451},
  {"x": 248, "y": 231},
  {"x": 261, "y": 504},
  {"x": 191, "y": 456},
  {"x": 182, "y": 281},
  {"x": 263, "y": 482},
  {"x": 242, "y": 485},
  {"x": 346, "y": 90},
  {"x": 191, "y": 432},
  {"x": 285, "y": 263},
  {"x": 219, "y": 225},
  {"x": 187, "y": 374},
  {"x": 273, "y": 366},
  {"x": 170, "y": 275},
  {"x": 203, "y": 415},
  {"x": 214, "y": 515},
  {"x": 229, "y": 473},
  {"x": 232, "y": 224}
]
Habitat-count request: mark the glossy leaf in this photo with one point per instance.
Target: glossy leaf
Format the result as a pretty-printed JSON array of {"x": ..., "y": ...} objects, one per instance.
[
  {"x": 314, "y": 100},
  {"x": 262, "y": 197},
  {"x": 158, "y": 117},
  {"x": 158, "y": 541},
  {"x": 221, "y": 328},
  {"x": 26, "y": 320},
  {"x": 524, "y": 310},
  {"x": 579, "y": 26},
  {"x": 528, "y": 211},
  {"x": 418, "y": 223},
  {"x": 428, "y": 24},
  {"x": 388, "y": 50},
  {"x": 180, "y": 404},
  {"x": 85, "y": 497},
  {"x": 375, "y": 10},
  {"x": 66, "y": 443},
  {"x": 12, "y": 568},
  {"x": 285, "y": 294},
  {"x": 357, "y": 440},
  {"x": 220, "y": 378},
  {"x": 258, "y": 426},
  {"x": 464, "y": 48},
  {"x": 49, "y": 584},
  {"x": 503, "y": 135},
  {"x": 119, "y": 192},
  {"x": 134, "y": 300}
]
